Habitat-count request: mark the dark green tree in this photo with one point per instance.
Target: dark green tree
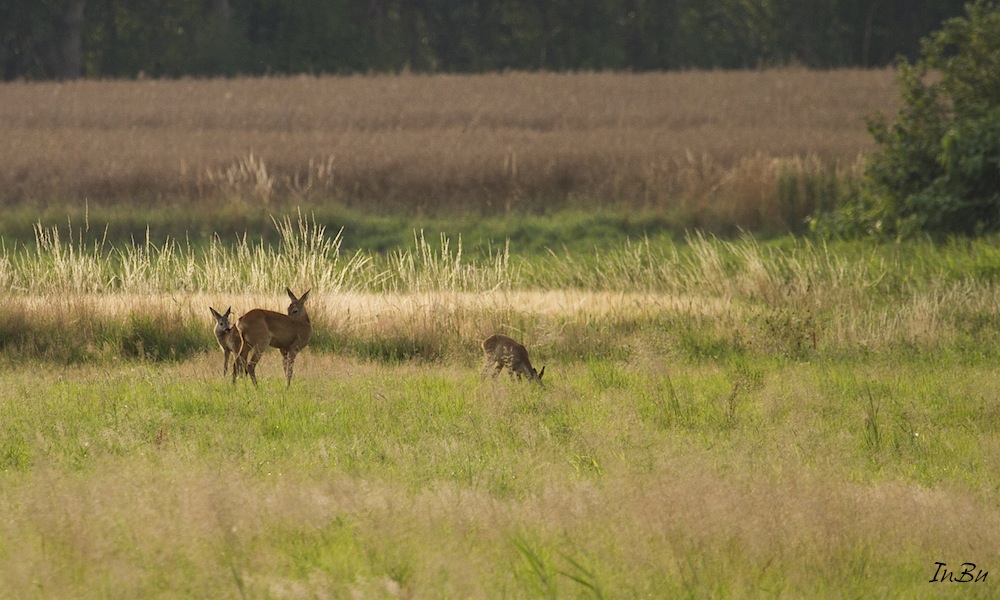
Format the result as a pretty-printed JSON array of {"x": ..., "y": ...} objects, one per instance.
[
  {"x": 42, "y": 39},
  {"x": 47, "y": 39},
  {"x": 937, "y": 167}
]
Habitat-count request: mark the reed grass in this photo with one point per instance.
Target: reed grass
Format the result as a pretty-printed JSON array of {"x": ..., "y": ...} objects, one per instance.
[{"x": 703, "y": 298}]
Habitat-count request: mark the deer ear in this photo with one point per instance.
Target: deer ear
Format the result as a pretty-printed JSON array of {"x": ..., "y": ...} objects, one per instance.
[
  {"x": 229, "y": 311},
  {"x": 291, "y": 295},
  {"x": 304, "y": 296},
  {"x": 214, "y": 313}
]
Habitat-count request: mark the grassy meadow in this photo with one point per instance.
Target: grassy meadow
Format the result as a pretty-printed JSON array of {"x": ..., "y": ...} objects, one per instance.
[
  {"x": 723, "y": 414},
  {"x": 718, "y": 419}
]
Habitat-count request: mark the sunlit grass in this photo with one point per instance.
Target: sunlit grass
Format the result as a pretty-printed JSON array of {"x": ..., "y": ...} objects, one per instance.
[
  {"x": 633, "y": 478},
  {"x": 71, "y": 298}
]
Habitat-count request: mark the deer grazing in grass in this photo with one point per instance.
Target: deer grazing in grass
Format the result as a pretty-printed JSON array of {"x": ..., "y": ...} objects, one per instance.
[
  {"x": 502, "y": 351},
  {"x": 261, "y": 328},
  {"x": 228, "y": 337}
]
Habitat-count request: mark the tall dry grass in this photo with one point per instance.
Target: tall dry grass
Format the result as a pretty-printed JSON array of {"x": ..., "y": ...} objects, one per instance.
[
  {"x": 712, "y": 146},
  {"x": 705, "y": 298}
]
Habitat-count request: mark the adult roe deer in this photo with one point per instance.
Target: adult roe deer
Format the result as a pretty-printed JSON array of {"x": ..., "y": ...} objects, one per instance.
[
  {"x": 261, "y": 328},
  {"x": 502, "y": 351},
  {"x": 228, "y": 337}
]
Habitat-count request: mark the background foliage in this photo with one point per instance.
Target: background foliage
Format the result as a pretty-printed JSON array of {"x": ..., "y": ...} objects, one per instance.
[
  {"x": 936, "y": 168},
  {"x": 110, "y": 38}
]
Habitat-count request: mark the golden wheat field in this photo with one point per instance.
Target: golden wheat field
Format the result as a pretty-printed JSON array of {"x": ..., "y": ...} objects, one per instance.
[{"x": 426, "y": 143}]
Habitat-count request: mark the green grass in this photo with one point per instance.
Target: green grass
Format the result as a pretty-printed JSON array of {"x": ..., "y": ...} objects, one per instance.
[
  {"x": 578, "y": 231},
  {"x": 612, "y": 480},
  {"x": 719, "y": 418}
]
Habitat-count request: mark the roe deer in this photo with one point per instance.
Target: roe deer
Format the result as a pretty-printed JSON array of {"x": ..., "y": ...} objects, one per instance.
[
  {"x": 228, "y": 337},
  {"x": 502, "y": 351},
  {"x": 261, "y": 328}
]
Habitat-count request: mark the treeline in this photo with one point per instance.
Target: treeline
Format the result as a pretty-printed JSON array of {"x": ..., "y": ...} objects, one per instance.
[{"x": 65, "y": 39}]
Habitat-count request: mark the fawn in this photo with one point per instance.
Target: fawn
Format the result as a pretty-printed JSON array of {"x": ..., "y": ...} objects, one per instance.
[
  {"x": 502, "y": 351},
  {"x": 228, "y": 337}
]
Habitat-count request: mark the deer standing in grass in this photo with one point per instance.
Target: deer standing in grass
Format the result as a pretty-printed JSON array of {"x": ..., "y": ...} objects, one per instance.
[
  {"x": 502, "y": 351},
  {"x": 261, "y": 328},
  {"x": 228, "y": 337}
]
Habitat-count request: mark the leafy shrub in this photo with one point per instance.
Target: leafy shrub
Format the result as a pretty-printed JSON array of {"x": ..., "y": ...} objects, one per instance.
[{"x": 937, "y": 168}]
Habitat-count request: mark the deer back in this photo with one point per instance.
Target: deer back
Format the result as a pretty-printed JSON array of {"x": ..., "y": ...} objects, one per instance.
[
  {"x": 500, "y": 347},
  {"x": 278, "y": 330}
]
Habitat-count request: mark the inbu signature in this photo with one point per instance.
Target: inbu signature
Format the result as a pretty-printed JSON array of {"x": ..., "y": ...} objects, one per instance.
[{"x": 968, "y": 574}]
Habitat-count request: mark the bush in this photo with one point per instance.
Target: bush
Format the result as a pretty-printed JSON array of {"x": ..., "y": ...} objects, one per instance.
[{"x": 937, "y": 168}]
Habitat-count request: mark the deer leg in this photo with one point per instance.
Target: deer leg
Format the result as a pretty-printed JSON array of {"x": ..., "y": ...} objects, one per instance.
[
  {"x": 288, "y": 359},
  {"x": 225, "y": 362},
  {"x": 508, "y": 361},
  {"x": 239, "y": 363},
  {"x": 284, "y": 365},
  {"x": 490, "y": 364},
  {"x": 251, "y": 366},
  {"x": 240, "y": 360},
  {"x": 240, "y": 366}
]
